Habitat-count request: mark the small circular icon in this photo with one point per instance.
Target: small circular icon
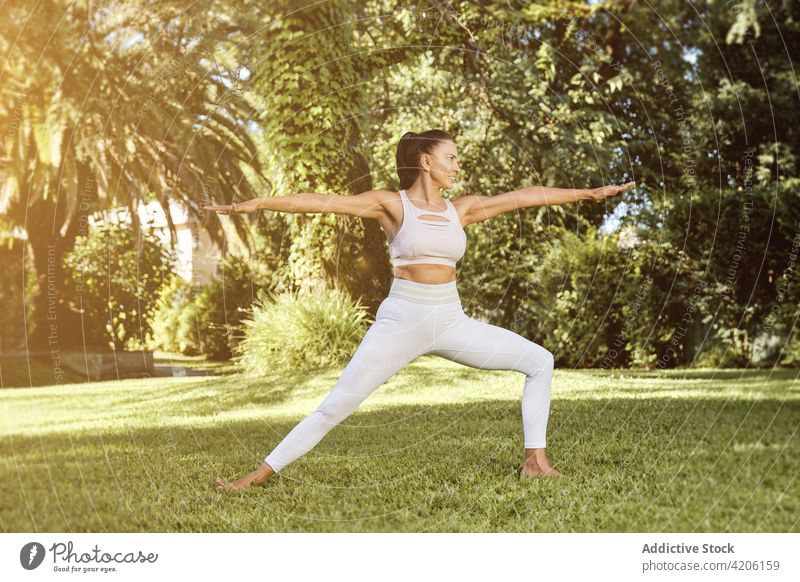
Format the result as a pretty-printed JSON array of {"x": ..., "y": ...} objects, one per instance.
[{"x": 31, "y": 555}]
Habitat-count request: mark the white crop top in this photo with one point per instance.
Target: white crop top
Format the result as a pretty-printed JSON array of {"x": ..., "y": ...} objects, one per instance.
[{"x": 427, "y": 241}]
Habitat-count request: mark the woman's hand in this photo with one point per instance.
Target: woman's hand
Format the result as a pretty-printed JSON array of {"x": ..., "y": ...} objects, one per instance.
[
  {"x": 610, "y": 190},
  {"x": 222, "y": 208}
]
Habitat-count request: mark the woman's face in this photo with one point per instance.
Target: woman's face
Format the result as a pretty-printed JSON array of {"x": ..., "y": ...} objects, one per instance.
[{"x": 442, "y": 164}]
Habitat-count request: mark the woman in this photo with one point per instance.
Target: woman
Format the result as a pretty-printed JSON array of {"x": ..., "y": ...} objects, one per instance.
[{"x": 423, "y": 314}]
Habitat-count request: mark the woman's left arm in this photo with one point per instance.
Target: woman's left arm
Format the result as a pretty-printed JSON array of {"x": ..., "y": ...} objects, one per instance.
[{"x": 478, "y": 208}]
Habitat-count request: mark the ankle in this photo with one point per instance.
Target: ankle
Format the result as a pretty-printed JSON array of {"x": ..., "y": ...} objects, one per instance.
[
  {"x": 535, "y": 463},
  {"x": 264, "y": 470}
]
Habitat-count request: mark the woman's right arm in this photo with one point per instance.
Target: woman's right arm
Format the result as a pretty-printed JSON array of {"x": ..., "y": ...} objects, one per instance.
[{"x": 368, "y": 204}]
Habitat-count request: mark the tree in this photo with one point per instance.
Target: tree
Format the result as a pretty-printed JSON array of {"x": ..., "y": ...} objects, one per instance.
[{"x": 112, "y": 105}]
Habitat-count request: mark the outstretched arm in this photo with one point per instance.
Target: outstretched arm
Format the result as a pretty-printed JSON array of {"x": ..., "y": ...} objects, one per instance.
[
  {"x": 480, "y": 208},
  {"x": 368, "y": 204}
]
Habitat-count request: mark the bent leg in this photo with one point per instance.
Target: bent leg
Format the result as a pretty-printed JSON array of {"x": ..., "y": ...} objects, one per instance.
[
  {"x": 389, "y": 344},
  {"x": 482, "y": 345}
]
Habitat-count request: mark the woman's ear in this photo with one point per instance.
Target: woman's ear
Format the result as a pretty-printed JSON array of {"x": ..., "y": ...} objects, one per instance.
[{"x": 425, "y": 162}]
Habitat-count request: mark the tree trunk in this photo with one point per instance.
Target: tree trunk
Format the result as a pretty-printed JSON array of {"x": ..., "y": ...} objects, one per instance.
[
  {"x": 57, "y": 321},
  {"x": 56, "y": 324},
  {"x": 368, "y": 274}
]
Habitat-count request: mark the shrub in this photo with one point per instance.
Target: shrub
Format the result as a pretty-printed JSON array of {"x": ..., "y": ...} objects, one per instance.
[
  {"x": 115, "y": 275},
  {"x": 173, "y": 299},
  {"x": 206, "y": 320},
  {"x": 206, "y": 324},
  {"x": 790, "y": 355},
  {"x": 721, "y": 355},
  {"x": 293, "y": 332}
]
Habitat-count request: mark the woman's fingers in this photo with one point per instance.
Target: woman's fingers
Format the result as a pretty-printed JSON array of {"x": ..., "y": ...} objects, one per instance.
[
  {"x": 612, "y": 190},
  {"x": 624, "y": 187}
]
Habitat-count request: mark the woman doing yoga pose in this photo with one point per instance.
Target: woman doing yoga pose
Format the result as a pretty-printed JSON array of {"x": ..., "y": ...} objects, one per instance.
[{"x": 422, "y": 313}]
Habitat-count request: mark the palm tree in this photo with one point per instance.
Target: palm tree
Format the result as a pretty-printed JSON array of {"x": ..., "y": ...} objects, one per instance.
[{"x": 112, "y": 107}]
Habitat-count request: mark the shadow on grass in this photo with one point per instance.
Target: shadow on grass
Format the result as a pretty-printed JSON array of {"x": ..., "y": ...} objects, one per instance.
[{"x": 629, "y": 465}]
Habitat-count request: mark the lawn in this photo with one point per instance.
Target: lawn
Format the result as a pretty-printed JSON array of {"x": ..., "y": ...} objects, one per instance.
[
  {"x": 436, "y": 448},
  {"x": 21, "y": 372}
]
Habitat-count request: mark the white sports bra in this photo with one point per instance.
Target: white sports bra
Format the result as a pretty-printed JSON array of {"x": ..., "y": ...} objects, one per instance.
[{"x": 427, "y": 241}]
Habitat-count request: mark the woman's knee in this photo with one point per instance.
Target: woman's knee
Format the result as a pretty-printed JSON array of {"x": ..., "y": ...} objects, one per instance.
[
  {"x": 542, "y": 360},
  {"x": 335, "y": 409},
  {"x": 549, "y": 360}
]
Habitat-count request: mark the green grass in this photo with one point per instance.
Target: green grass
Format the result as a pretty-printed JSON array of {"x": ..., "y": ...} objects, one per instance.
[{"x": 435, "y": 449}]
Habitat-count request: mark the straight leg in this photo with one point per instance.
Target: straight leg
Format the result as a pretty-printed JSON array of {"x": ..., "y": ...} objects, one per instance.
[{"x": 394, "y": 339}]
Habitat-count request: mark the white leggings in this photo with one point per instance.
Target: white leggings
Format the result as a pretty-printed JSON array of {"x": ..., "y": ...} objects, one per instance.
[{"x": 417, "y": 319}]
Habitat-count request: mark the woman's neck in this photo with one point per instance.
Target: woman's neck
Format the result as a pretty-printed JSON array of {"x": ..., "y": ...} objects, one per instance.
[{"x": 430, "y": 196}]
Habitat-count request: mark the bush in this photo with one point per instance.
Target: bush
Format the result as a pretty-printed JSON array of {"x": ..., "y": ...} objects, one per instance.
[
  {"x": 206, "y": 320},
  {"x": 577, "y": 300},
  {"x": 721, "y": 355},
  {"x": 790, "y": 355},
  {"x": 206, "y": 325},
  {"x": 292, "y": 332},
  {"x": 115, "y": 276},
  {"x": 173, "y": 300}
]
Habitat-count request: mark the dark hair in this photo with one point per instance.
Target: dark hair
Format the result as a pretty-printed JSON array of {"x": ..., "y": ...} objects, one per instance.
[{"x": 411, "y": 147}]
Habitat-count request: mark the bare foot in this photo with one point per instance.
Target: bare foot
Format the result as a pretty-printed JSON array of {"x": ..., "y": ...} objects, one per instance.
[
  {"x": 529, "y": 471},
  {"x": 536, "y": 465},
  {"x": 257, "y": 477}
]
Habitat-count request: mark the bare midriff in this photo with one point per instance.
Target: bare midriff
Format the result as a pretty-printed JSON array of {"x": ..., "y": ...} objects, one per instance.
[{"x": 427, "y": 274}]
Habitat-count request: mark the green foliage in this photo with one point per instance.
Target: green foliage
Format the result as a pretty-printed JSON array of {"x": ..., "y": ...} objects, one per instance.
[
  {"x": 665, "y": 308},
  {"x": 584, "y": 299},
  {"x": 313, "y": 93},
  {"x": 113, "y": 275},
  {"x": 212, "y": 321},
  {"x": 587, "y": 308},
  {"x": 174, "y": 298},
  {"x": 724, "y": 354},
  {"x": 789, "y": 354},
  {"x": 557, "y": 93},
  {"x": 153, "y": 103},
  {"x": 144, "y": 79},
  {"x": 196, "y": 319},
  {"x": 299, "y": 332},
  {"x": 207, "y": 324}
]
